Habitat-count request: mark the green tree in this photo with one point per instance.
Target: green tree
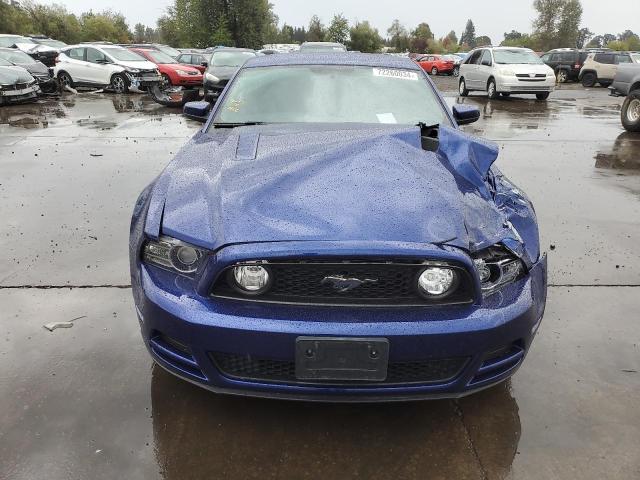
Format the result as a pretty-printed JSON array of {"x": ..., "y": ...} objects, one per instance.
[
  {"x": 138, "y": 33},
  {"x": 13, "y": 19},
  {"x": 483, "y": 40},
  {"x": 316, "y": 30},
  {"x": 584, "y": 35},
  {"x": 420, "y": 38},
  {"x": 106, "y": 26},
  {"x": 558, "y": 23},
  {"x": 364, "y": 38},
  {"x": 286, "y": 34},
  {"x": 468, "y": 37},
  {"x": 398, "y": 37},
  {"x": 338, "y": 31},
  {"x": 52, "y": 20}
]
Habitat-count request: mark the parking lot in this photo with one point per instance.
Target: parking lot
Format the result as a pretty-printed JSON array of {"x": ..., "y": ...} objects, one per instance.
[{"x": 86, "y": 402}]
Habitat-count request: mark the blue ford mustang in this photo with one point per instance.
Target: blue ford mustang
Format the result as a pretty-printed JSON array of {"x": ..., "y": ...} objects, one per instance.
[{"x": 330, "y": 234}]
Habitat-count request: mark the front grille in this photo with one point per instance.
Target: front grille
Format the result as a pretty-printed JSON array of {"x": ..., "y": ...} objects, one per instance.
[
  {"x": 392, "y": 283},
  {"x": 247, "y": 367},
  {"x": 526, "y": 75}
]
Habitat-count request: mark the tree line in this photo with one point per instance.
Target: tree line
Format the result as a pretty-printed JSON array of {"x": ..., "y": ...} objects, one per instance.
[{"x": 253, "y": 23}]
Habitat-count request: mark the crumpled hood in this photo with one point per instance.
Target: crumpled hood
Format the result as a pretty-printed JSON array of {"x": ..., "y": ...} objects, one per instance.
[
  {"x": 321, "y": 183},
  {"x": 13, "y": 75},
  {"x": 34, "y": 48}
]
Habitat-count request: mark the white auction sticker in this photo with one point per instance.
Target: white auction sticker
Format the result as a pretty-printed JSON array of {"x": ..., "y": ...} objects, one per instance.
[{"x": 395, "y": 73}]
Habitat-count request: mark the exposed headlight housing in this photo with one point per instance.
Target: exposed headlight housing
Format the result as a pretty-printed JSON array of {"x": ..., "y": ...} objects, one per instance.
[
  {"x": 211, "y": 78},
  {"x": 496, "y": 267},
  {"x": 251, "y": 279},
  {"x": 173, "y": 255},
  {"x": 133, "y": 70},
  {"x": 437, "y": 282}
]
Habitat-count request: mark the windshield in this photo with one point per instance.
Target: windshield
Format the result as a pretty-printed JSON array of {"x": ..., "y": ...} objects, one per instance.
[
  {"x": 124, "y": 55},
  {"x": 17, "y": 57},
  {"x": 166, "y": 49},
  {"x": 160, "y": 58},
  {"x": 230, "y": 58},
  {"x": 4, "y": 63},
  {"x": 319, "y": 47},
  {"x": 52, "y": 43},
  {"x": 516, "y": 56},
  {"x": 330, "y": 94},
  {"x": 11, "y": 41}
]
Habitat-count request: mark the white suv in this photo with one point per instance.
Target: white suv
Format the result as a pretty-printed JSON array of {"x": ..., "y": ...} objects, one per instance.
[
  {"x": 97, "y": 65},
  {"x": 506, "y": 70}
]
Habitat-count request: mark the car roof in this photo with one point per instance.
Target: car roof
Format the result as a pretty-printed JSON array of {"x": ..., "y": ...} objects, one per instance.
[
  {"x": 334, "y": 58},
  {"x": 232, "y": 49}
]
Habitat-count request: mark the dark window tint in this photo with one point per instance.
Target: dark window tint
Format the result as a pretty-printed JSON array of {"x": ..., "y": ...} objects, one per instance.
[
  {"x": 555, "y": 57},
  {"x": 607, "y": 58},
  {"x": 474, "y": 59},
  {"x": 567, "y": 57},
  {"x": 95, "y": 56},
  {"x": 486, "y": 58},
  {"x": 76, "y": 53}
]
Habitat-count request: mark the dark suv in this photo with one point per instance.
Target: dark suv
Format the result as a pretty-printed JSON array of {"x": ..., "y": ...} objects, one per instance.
[{"x": 566, "y": 62}]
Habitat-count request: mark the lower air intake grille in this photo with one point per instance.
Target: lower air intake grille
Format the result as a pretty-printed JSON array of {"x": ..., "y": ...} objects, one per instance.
[{"x": 246, "y": 367}]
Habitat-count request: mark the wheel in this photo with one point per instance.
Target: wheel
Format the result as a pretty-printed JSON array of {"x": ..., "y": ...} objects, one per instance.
[
  {"x": 605, "y": 84},
  {"x": 542, "y": 96},
  {"x": 506, "y": 94},
  {"x": 456, "y": 71},
  {"x": 562, "y": 76},
  {"x": 119, "y": 84},
  {"x": 434, "y": 71},
  {"x": 492, "y": 90},
  {"x": 166, "y": 81},
  {"x": 462, "y": 88},
  {"x": 630, "y": 114},
  {"x": 65, "y": 80},
  {"x": 589, "y": 79}
]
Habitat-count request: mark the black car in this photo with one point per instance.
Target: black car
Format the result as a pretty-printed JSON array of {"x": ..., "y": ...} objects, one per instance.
[
  {"x": 566, "y": 62},
  {"x": 37, "y": 69}
]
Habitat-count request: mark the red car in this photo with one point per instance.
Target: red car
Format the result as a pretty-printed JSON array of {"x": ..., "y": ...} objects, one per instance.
[
  {"x": 435, "y": 64},
  {"x": 173, "y": 73}
]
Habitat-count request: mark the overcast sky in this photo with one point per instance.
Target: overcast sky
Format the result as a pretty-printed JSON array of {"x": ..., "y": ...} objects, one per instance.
[{"x": 491, "y": 17}]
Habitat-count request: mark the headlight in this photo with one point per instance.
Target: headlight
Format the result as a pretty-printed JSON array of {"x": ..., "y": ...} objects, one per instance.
[
  {"x": 251, "y": 279},
  {"x": 182, "y": 73},
  {"x": 507, "y": 72},
  {"x": 173, "y": 254},
  {"x": 133, "y": 70},
  {"x": 437, "y": 281},
  {"x": 211, "y": 78},
  {"x": 496, "y": 267}
]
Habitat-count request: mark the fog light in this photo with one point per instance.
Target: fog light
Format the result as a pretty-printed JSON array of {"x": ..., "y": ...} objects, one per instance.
[
  {"x": 436, "y": 281},
  {"x": 252, "y": 279}
]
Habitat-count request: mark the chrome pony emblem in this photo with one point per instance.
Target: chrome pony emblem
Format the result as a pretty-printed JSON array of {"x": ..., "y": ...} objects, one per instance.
[{"x": 344, "y": 284}]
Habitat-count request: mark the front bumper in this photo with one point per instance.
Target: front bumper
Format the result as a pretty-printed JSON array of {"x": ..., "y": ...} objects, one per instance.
[
  {"x": 526, "y": 86},
  {"x": 20, "y": 95},
  {"x": 170, "y": 309}
]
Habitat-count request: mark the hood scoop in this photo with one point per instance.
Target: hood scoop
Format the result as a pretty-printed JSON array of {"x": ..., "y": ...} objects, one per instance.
[{"x": 247, "y": 146}]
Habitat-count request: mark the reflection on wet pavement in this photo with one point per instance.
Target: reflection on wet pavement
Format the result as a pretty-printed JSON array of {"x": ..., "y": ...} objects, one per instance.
[
  {"x": 623, "y": 155},
  {"x": 197, "y": 432}
]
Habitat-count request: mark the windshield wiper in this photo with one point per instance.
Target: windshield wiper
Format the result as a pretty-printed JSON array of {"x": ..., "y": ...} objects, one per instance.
[{"x": 238, "y": 124}]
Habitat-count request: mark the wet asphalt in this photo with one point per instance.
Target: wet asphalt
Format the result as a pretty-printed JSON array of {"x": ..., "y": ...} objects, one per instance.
[{"x": 86, "y": 402}]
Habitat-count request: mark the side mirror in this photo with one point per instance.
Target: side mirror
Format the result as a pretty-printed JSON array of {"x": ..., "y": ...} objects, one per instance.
[
  {"x": 204, "y": 64},
  {"x": 466, "y": 114},
  {"x": 199, "y": 111}
]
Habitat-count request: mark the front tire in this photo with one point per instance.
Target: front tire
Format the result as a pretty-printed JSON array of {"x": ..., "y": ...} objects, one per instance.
[
  {"x": 630, "y": 113},
  {"x": 119, "y": 83},
  {"x": 562, "y": 76},
  {"x": 166, "y": 81},
  {"x": 589, "y": 79},
  {"x": 456, "y": 71},
  {"x": 65, "y": 80},
  {"x": 434, "y": 71},
  {"x": 462, "y": 88},
  {"x": 542, "y": 96},
  {"x": 492, "y": 89},
  {"x": 506, "y": 94}
]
